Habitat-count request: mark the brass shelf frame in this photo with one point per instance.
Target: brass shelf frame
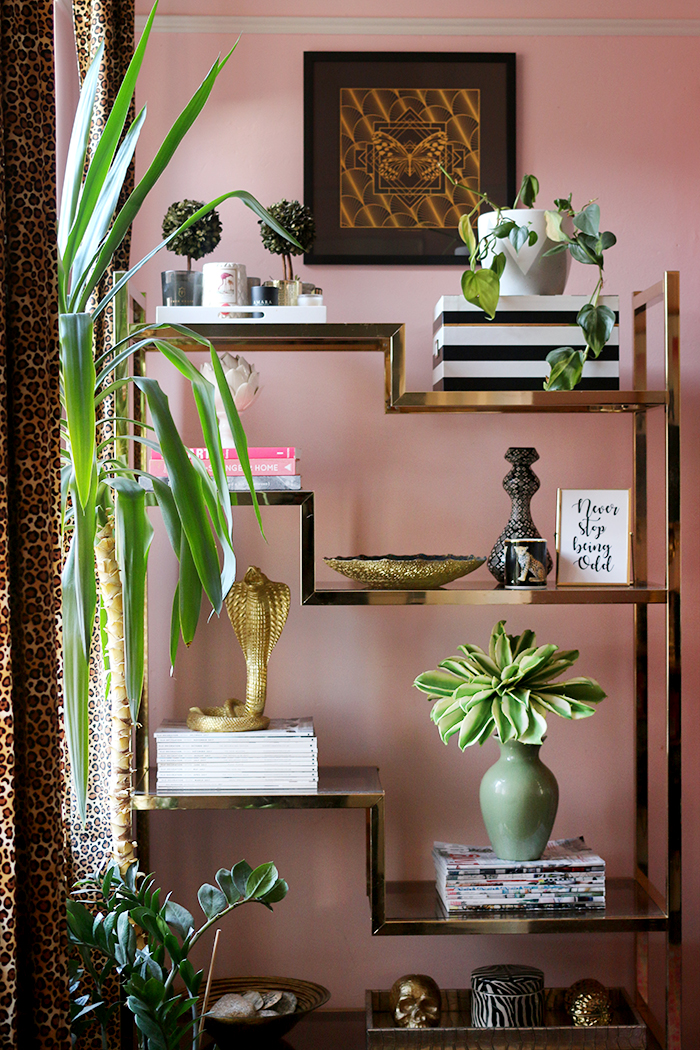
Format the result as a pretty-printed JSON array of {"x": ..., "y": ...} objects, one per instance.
[{"x": 633, "y": 904}]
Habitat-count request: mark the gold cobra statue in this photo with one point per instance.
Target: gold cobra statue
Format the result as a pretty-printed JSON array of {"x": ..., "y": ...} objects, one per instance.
[{"x": 258, "y": 610}]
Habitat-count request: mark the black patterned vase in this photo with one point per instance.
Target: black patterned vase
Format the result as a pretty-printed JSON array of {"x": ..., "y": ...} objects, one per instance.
[{"x": 521, "y": 483}]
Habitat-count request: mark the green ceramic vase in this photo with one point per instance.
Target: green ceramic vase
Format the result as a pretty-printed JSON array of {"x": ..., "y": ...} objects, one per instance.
[{"x": 519, "y": 797}]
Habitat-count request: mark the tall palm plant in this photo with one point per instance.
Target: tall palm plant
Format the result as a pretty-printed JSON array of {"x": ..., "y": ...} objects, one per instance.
[{"x": 104, "y": 508}]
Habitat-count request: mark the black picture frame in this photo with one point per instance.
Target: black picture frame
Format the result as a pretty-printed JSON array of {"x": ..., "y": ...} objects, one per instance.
[{"x": 378, "y": 128}]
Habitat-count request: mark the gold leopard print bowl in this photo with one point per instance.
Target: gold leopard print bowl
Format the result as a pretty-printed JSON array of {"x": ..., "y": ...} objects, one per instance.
[{"x": 405, "y": 571}]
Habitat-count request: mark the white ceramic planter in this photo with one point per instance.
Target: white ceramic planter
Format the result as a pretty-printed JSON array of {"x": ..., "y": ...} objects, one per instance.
[{"x": 528, "y": 272}]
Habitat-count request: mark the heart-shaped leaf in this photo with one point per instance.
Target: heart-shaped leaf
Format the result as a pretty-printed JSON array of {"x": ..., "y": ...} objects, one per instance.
[
  {"x": 596, "y": 323},
  {"x": 566, "y": 368},
  {"x": 483, "y": 289}
]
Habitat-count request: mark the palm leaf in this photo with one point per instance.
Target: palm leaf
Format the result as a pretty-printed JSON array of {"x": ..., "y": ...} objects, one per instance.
[
  {"x": 133, "y": 539},
  {"x": 78, "y": 375}
]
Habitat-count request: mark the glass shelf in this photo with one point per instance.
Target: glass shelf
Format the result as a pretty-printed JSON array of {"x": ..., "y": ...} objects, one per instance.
[
  {"x": 339, "y": 787},
  {"x": 475, "y": 593},
  {"x": 414, "y": 908}
]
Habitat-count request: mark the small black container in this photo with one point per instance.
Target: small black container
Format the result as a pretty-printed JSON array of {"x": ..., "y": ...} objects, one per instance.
[{"x": 526, "y": 562}]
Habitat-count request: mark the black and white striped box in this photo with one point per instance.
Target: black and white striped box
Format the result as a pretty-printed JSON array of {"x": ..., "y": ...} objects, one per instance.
[{"x": 509, "y": 353}]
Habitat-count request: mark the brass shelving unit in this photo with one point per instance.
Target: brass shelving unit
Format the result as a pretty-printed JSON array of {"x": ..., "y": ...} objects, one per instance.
[{"x": 633, "y": 904}]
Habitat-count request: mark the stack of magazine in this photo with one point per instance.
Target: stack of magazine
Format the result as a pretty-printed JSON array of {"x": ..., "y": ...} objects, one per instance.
[
  {"x": 567, "y": 875},
  {"x": 282, "y": 759}
]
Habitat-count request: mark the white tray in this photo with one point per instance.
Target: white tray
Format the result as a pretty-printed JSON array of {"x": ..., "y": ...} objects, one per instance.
[{"x": 217, "y": 315}]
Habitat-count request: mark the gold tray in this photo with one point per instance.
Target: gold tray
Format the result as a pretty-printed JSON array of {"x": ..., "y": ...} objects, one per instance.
[
  {"x": 628, "y": 1031},
  {"x": 405, "y": 571}
]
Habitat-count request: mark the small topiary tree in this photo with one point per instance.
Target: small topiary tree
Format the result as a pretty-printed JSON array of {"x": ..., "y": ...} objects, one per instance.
[
  {"x": 200, "y": 239},
  {"x": 296, "y": 218}
]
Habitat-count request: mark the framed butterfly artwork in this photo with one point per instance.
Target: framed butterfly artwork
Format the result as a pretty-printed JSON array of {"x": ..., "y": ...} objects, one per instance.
[{"x": 396, "y": 143}]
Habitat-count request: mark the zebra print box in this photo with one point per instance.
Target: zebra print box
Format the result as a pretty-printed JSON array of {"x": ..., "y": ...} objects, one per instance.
[
  {"x": 472, "y": 353},
  {"x": 507, "y": 997}
]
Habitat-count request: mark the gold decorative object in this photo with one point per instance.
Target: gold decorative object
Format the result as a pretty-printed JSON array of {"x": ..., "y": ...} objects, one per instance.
[
  {"x": 405, "y": 571},
  {"x": 415, "y": 1001},
  {"x": 258, "y": 610},
  {"x": 589, "y": 1003}
]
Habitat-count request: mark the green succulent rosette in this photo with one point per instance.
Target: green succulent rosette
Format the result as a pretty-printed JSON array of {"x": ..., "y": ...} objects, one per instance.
[{"x": 508, "y": 691}]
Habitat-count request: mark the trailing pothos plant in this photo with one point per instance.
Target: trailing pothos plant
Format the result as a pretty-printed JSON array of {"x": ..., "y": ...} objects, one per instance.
[
  {"x": 103, "y": 504},
  {"x": 146, "y": 942},
  {"x": 508, "y": 690},
  {"x": 481, "y": 285},
  {"x": 587, "y": 245}
]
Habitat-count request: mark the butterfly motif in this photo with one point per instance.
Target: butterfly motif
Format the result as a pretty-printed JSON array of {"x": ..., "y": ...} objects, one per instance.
[{"x": 395, "y": 160}]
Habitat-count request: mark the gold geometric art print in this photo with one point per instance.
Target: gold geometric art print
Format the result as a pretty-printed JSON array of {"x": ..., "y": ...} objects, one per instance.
[{"x": 394, "y": 143}]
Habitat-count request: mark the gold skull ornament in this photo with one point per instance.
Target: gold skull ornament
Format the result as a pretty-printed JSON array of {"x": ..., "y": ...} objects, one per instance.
[{"x": 415, "y": 1001}]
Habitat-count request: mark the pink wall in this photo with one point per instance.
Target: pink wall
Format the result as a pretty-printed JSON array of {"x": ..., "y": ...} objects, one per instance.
[{"x": 606, "y": 117}]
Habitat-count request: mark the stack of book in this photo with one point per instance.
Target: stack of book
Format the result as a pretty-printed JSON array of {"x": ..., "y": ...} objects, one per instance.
[
  {"x": 567, "y": 875},
  {"x": 273, "y": 468},
  {"x": 282, "y": 759}
]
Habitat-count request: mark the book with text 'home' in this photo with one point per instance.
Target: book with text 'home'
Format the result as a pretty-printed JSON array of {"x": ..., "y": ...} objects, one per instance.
[{"x": 258, "y": 467}]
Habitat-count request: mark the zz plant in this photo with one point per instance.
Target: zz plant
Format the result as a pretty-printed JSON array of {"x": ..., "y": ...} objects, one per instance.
[
  {"x": 508, "y": 690},
  {"x": 481, "y": 285},
  {"x": 130, "y": 932},
  {"x": 104, "y": 507}
]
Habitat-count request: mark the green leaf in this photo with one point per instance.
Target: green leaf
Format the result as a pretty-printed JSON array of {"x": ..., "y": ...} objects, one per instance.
[
  {"x": 75, "y": 611},
  {"x": 105, "y": 149},
  {"x": 588, "y": 220},
  {"x": 211, "y": 900},
  {"x": 78, "y": 379},
  {"x": 482, "y": 288},
  {"x": 518, "y": 236},
  {"x": 225, "y": 880},
  {"x": 179, "y": 918},
  {"x": 440, "y": 683},
  {"x": 566, "y": 368},
  {"x": 466, "y": 232},
  {"x": 77, "y": 150},
  {"x": 537, "y": 726},
  {"x": 240, "y": 873},
  {"x": 449, "y": 722},
  {"x": 553, "y": 221},
  {"x": 133, "y": 535},
  {"x": 277, "y": 893},
  {"x": 504, "y": 727},
  {"x": 189, "y": 589},
  {"x": 498, "y": 264},
  {"x": 527, "y": 194},
  {"x": 596, "y": 323},
  {"x": 261, "y": 880},
  {"x": 564, "y": 203},
  {"x": 187, "y": 491},
  {"x": 585, "y": 253},
  {"x": 606, "y": 240},
  {"x": 474, "y": 724},
  {"x": 516, "y": 713}
]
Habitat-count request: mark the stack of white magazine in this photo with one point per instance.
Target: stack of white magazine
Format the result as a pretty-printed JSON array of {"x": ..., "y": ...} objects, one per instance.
[
  {"x": 567, "y": 875},
  {"x": 282, "y": 759}
]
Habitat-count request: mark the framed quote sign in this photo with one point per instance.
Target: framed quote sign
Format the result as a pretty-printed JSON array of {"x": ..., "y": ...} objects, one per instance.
[
  {"x": 396, "y": 143},
  {"x": 593, "y": 536}
]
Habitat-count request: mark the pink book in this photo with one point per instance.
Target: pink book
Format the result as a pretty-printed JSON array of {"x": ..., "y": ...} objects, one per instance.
[{"x": 264, "y": 452}]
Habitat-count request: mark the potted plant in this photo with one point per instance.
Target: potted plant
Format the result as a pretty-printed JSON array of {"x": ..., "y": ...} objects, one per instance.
[
  {"x": 129, "y": 931},
  {"x": 184, "y": 287},
  {"x": 568, "y": 234},
  {"x": 104, "y": 511},
  {"x": 296, "y": 218},
  {"x": 509, "y": 692}
]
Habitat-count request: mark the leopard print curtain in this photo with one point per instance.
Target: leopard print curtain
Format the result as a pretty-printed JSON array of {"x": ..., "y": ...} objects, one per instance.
[{"x": 33, "y": 981}]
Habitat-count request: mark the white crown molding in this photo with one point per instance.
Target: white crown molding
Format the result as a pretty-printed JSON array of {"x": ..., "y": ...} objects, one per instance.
[{"x": 329, "y": 26}]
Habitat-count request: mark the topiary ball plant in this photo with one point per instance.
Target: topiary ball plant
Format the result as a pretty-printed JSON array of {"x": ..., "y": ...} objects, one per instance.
[
  {"x": 296, "y": 218},
  {"x": 199, "y": 239}
]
